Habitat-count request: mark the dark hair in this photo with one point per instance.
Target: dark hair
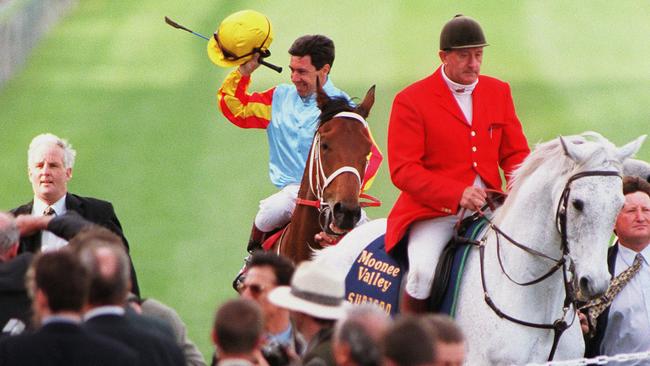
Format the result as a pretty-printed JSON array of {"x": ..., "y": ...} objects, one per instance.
[
  {"x": 63, "y": 279},
  {"x": 103, "y": 254},
  {"x": 282, "y": 267},
  {"x": 238, "y": 326},
  {"x": 334, "y": 106},
  {"x": 407, "y": 342},
  {"x": 633, "y": 184},
  {"x": 445, "y": 329},
  {"x": 318, "y": 47}
]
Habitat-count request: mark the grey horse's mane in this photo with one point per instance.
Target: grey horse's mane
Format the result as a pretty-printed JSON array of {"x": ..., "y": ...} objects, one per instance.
[{"x": 551, "y": 157}]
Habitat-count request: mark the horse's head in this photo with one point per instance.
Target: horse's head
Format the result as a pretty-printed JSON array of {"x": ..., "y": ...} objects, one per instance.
[
  {"x": 590, "y": 199},
  {"x": 340, "y": 154}
]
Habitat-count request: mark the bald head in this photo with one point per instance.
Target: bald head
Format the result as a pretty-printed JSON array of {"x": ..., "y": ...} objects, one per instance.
[
  {"x": 108, "y": 264},
  {"x": 9, "y": 237}
]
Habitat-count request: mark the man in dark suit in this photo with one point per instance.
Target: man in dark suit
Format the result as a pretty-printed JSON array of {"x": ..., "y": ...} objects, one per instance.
[
  {"x": 102, "y": 253},
  {"x": 624, "y": 326},
  {"x": 14, "y": 302},
  {"x": 60, "y": 290},
  {"x": 50, "y": 163}
]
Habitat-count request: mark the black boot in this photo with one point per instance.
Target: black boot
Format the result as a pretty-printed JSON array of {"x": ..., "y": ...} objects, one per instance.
[{"x": 256, "y": 239}]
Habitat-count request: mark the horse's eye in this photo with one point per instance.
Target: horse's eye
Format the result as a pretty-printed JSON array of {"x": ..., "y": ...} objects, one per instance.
[
  {"x": 324, "y": 146},
  {"x": 578, "y": 204}
]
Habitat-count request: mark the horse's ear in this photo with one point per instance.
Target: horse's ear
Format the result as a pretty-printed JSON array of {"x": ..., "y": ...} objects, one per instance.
[
  {"x": 572, "y": 150},
  {"x": 364, "y": 108},
  {"x": 630, "y": 149},
  {"x": 321, "y": 97}
]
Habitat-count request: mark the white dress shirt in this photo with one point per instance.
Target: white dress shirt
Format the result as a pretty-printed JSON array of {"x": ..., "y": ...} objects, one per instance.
[
  {"x": 628, "y": 322},
  {"x": 49, "y": 241}
]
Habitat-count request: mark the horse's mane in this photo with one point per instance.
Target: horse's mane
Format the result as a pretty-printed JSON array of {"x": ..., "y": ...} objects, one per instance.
[
  {"x": 332, "y": 107},
  {"x": 550, "y": 157}
]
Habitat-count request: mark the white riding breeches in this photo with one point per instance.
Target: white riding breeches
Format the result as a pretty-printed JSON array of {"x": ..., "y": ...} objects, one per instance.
[
  {"x": 427, "y": 239},
  {"x": 275, "y": 211}
]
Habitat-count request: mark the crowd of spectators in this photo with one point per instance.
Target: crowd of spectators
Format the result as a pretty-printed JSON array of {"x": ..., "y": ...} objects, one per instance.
[{"x": 68, "y": 296}]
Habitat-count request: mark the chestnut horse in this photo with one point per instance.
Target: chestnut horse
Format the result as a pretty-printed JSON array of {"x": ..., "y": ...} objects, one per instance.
[{"x": 330, "y": 190}]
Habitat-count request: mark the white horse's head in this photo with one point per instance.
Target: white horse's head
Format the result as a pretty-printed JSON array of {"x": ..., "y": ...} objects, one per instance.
[{"x": 592, "y": 205}]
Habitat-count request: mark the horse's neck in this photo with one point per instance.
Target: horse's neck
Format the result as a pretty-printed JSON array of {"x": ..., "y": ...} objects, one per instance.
[
  {"x": 530, "y": 221},
  {"x": 299, "y": 238}
]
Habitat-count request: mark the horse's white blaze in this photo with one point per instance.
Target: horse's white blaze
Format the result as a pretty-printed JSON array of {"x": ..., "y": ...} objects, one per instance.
[{"x": 528, "y": 216}]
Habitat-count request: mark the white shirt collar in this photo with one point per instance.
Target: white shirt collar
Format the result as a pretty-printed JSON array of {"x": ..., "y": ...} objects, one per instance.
[
  {"x": 58, "y": 318},
  {"x": 627, "y": 254},
  {"x": 455, "y": 87},
  {"x": 104, "y": 310},
  {"x": 40, "y": 206}
]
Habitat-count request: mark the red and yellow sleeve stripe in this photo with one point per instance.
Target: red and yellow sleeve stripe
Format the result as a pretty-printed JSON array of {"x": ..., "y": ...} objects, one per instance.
[
  {"x": 374, "y": 161},
  {"x": 242, "y": 109}
]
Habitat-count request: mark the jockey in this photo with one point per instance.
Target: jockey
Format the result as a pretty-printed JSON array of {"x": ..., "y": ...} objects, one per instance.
[
  {"x": 289, "y": 113},
  {"x": 447, "y": 137}
]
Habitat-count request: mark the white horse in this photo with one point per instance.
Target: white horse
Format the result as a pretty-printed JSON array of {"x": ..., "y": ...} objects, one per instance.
[{"x": 583, "y": 172}]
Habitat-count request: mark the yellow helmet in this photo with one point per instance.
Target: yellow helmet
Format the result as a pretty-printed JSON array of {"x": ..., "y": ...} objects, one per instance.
[{"x": 239, "y": 37}]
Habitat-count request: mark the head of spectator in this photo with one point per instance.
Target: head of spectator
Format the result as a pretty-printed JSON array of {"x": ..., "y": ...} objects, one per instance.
[
  {"x": 9, "y": 237},
  {"x": 408, "y": 342},
  {"x": 633, "y": 222},
  {"x": 237, "y": 330},
  {"x": 357, "y": 335},
  {"x": 49, "y": 165},
  {"x": 312, "y": 57},
  {"x": 449, "y": 340},
  {"x": 102, "y": 252},
  {"x": 266, "y": 271},
  {"x": 461, "y": 49},
  {"x": 60, "y": 285},
  {"x": 315, "y": 298}
]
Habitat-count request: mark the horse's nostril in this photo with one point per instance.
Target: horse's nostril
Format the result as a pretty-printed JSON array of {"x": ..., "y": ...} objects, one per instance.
[{"x": 585, "y": 284}]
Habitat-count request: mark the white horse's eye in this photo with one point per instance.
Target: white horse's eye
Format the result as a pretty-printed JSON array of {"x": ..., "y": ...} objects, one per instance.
[{"x": 578, "y": 204}]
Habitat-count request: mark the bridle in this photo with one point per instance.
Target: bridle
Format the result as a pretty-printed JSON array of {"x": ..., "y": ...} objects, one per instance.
[
  {"x": 560, "y": 324},
  {"x": 319, "y": 181}
]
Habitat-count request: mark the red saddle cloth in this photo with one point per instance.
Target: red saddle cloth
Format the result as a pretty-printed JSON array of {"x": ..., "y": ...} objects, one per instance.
[{"x": 271, "y": 240}]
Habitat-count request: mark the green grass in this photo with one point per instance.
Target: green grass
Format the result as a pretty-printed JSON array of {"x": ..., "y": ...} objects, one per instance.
[{"x": 137, "y": 100}]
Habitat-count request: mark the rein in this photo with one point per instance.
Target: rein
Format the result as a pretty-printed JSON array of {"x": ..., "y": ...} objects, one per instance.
[
  {"x": 319, "y": 181},
  {"x": 560, "y": 324}
]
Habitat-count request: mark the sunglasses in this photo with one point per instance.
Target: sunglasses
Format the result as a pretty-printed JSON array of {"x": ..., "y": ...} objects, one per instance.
[{"x": 255, "y": 289}]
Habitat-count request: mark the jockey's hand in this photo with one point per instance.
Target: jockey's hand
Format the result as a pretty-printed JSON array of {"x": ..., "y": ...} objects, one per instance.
[
  {"x": 473, "y": 198},
  {"x": 325, "y": 240},
  {"x": 29, "y": 224},
  {"x": 249, "y": 66},
  {"x": 584, "y": 325}
]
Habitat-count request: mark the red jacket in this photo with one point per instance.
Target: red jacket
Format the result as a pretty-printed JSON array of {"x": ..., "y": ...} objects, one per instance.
[{"x": 434, "y": 154}]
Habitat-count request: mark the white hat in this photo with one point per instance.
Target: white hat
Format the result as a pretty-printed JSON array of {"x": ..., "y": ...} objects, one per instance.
[{"x": 314, "y": 291}]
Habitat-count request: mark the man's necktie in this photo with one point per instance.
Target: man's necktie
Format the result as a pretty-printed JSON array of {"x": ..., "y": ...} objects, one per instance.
[
  {"x": 49, "y": 211},
  {"x": 597, "y": 306}
]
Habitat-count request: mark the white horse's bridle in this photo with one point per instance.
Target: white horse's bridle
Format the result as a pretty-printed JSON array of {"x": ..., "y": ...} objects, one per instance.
[{"x": 320, "y": 181}]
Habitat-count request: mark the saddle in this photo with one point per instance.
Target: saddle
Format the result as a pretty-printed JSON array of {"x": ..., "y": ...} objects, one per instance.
[{"x": 450, "y": 268}]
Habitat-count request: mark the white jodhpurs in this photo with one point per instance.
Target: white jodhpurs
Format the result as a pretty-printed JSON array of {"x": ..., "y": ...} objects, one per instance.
[
  {"x": 275, "y": 211},
  {"x": 427, "y": 239}
]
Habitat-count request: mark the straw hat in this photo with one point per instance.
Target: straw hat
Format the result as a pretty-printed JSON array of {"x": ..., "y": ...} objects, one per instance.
[
  {"x": 314, "y": 291},
  {"x": 239, "y": 37}
]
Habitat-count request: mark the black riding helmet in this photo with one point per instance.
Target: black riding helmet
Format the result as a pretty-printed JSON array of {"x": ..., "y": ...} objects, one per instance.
[{"x": 461, "y": 32}]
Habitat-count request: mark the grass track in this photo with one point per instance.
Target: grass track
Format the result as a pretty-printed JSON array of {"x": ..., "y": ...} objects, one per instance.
[{"x": 136, "y": 99}]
